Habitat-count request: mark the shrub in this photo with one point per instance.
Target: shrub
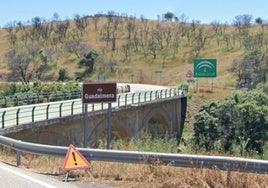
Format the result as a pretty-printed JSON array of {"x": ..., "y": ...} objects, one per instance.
[{"x": 240, "y": 120}]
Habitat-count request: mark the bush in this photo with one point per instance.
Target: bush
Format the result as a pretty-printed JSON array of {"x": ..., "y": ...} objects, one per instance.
[{"x": 241, "y": 121}]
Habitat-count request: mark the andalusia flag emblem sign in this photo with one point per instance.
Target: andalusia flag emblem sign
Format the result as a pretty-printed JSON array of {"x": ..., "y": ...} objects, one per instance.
[{"x": 205, "y": 68}]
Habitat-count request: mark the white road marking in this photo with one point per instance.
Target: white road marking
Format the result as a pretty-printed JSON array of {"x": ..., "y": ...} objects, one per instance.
[{"x": 27, "y": 177}]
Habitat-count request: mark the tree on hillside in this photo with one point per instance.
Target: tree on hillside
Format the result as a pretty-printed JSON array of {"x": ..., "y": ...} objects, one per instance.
[
  {"x": 199, "y": 41},
  {"x": 113, "y": 25},
  {"x": 252, "y": 69},
  {"x": 88, "y": 61},
  {"x": 60, "y": 31},
  {"x": 130, "y": 27},
  {"x": 28, "y": 62},
  {"x": 12, "y": 33},
  {"x": 77, "y": 47},
  {"x": 242, "y": 23},
  {"x": 40, "y": 29},
  {"x": 259, "y": 21},
  {"x": 169, "y": 16},
  {"x": 20, "y": 66},
  {"x": 81, "y": 23},
  {"x": 216, "y": 26},
  {"x": 96, "y": 19},
  {"x": 245, "y": 73}
]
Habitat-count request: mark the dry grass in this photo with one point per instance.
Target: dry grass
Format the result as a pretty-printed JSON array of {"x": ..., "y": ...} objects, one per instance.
[{"x": 140, "y": 175}]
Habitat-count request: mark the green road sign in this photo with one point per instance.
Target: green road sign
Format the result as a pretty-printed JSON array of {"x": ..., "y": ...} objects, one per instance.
[{"x": 204, "y": 68}]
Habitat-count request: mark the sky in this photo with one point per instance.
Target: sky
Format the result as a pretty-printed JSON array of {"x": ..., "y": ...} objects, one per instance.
[{"x": 204, "y": 11}]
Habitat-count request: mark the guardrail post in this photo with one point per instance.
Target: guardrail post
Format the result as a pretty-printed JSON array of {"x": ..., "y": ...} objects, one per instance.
[
  {"x": 118, "y": 103},
  {"x": 156, "y": 95},
  {"x": 18, "y": 158},
  {"x": 145, "y": 96},
  {"x": 125, "y": 99},
  {"x": 133, "y": 95},
  {"x": 72, "y": 108},
  {"x": 47, "y": 110},
  {"x": 166, "y": 93},
  {"x": 139, "y": 99},
  {"x": 33, "y": 114},
  {"x": 3, "y": 119},
  {"x": 17, "y": 117},
  {"x": 151, "y": 93},
  {"x": 61, "y": 109}
]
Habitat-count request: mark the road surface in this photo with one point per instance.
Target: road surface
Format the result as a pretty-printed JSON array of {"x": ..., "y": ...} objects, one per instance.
[{"x": 11, "y": 176}]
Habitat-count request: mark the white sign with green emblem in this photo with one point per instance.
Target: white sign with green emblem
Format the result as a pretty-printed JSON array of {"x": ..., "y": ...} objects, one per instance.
[{"x": 205, "y": 68}]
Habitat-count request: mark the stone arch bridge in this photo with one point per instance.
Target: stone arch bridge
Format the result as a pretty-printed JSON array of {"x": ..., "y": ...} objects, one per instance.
[{"x": 159, "y": 116}]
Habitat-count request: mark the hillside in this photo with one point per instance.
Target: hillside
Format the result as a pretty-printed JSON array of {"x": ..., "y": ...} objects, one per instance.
[{"x": 130, "y": 50}]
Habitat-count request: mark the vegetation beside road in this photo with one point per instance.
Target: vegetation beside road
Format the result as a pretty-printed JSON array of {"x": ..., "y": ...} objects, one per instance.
[{"x": 139, "y": 175}]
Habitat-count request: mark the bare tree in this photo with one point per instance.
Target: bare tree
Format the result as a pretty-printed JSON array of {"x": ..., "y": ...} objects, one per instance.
[
  {"x": 60, "y": 30},
  {"x": 216, "y": 26},
  {"x": 243, "y": 23},
  {"x": 251, "y": 70},
  {"x": 96, "y": 19},
  {"x": 20, "y": 66},
  {"x": 126, "y": 50},
  {"x": 77, "y": 47},
  {"x": 12, "y": 33},
  {"x": 81, "y": 23}
]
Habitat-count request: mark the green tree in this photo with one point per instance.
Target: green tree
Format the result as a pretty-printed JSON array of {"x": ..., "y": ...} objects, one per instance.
[
  {"x": 240, "y": 120},
  {"x": 206, "y": 126},
  {"x": 169, "y": 16},
  {"x": 88, "y": 61}
]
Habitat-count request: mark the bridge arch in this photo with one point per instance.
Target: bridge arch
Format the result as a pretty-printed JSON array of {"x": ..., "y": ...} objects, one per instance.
[
  {"x": 119, "y": 129},
  {"x": 157, "y": 121}
]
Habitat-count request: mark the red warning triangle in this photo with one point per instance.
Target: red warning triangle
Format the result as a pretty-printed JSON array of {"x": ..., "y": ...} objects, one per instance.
[{"x": 74, "y": 160}]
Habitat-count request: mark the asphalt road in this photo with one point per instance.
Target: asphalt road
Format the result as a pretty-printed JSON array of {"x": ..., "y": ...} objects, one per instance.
[{"x": 11, "y": 176}]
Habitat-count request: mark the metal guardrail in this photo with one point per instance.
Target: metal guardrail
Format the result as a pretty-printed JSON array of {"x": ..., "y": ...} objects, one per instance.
[
  {"x": 177, "y": 160},
  {"x": 45, "y": 111}
]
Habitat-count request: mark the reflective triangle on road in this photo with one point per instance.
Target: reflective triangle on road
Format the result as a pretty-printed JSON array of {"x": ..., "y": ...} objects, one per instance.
[{"x": 74, "y": 160}]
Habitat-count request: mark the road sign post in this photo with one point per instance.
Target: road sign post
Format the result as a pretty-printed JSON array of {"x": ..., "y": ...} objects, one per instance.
[
  {"x": 109, "y": 128},
  {"x": 97, "y": 93},
  {"x": 86, "y": 125}
]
